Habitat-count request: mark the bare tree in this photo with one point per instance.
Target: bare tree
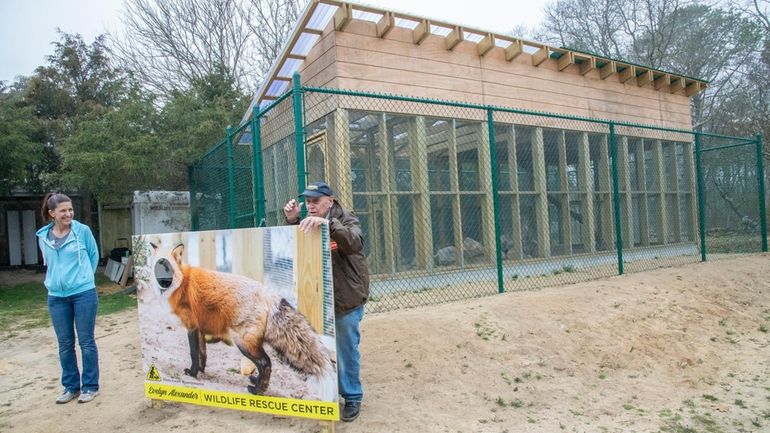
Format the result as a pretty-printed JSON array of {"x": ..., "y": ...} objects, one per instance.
[
  {"x": 271, "y": 22},
  {"x": 170, "y": 44}
]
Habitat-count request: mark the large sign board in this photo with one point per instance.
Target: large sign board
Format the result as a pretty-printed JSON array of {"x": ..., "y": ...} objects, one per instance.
[{"x": 240, "y": 319}]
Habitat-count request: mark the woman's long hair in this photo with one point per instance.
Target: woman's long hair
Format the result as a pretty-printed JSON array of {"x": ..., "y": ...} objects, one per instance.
[{"x": 51, "y": 200}]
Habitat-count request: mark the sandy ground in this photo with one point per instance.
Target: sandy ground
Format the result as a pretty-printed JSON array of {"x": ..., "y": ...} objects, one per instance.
[{"x": 680, "y": 350}]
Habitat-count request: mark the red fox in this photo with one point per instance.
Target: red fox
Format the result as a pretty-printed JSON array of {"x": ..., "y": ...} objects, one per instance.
[{"x": 235, "y": 308}]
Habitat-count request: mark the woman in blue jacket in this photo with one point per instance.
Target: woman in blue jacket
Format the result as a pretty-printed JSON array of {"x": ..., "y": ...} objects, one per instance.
[{"x": 70, "y": 253}]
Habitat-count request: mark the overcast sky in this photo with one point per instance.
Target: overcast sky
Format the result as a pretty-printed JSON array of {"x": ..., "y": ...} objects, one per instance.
[{"x": 27, "y": 27}]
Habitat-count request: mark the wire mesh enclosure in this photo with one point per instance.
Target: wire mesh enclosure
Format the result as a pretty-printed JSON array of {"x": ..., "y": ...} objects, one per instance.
[{"x": 460, "y": 200}]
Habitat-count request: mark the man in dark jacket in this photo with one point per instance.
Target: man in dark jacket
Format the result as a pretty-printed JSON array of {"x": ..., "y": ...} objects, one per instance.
[{"x": 351, "y": 282}]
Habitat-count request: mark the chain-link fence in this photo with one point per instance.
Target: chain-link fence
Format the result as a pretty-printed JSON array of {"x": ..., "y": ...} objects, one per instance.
[{"x": 459, "y": 200}]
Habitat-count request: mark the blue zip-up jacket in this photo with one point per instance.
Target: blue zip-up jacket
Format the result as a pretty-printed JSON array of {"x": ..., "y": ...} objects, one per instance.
[{"x": 71, "y": 268}]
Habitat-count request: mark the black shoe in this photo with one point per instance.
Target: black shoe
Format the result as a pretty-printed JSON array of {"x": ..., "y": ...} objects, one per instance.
[{"x": 351, "y": 410}]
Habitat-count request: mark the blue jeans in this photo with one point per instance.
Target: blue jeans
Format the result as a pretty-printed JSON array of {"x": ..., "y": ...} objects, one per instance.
[
  {"x": 348, "y": 356},
  {"x": 78, "y": 310}
]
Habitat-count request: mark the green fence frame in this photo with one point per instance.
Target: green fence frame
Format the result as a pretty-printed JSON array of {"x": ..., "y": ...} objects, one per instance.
[{"x": 297, "y": 92}]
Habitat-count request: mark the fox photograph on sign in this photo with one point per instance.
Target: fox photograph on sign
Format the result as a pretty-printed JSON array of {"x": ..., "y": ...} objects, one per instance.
[{"x": 241, "y": 319}]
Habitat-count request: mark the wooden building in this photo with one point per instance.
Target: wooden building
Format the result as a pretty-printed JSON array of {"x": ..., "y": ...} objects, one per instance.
[{"x": 420, "y": 175}]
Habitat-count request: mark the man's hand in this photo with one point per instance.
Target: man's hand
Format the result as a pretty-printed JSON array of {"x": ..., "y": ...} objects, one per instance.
[
  {"x": 291, "y": 210},
  {"x": 310, "y": 223}
]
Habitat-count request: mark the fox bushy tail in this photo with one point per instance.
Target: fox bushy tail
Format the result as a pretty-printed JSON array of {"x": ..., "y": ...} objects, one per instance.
[{"x": 292, "y": 337}]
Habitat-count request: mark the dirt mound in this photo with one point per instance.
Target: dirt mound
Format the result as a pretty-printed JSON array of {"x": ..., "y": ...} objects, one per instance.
[{"x": 668, "y": 350}]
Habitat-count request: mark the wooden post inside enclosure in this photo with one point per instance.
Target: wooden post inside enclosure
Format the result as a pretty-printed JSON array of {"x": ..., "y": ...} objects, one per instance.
[
  {"x": 513, "y": 176},
  {"x": 388, "y": 181},
  {"x": 341, "y": 170},
  {"x": 418, "y": 159},
  {"x": 308, "y": 273},
  {"x": 608, "y": 234},
  {"x": 641, "y": 182},
  {"x": 454, "y": 185},
  {"x": 541, "y": 198},
  {"x": 691, "y": 216},
  {"x": 626, "y": 203},
  {"x": 249, "y": 244},
  {"x": 487, "y": 205},
  {"x": 672, "y": 195},
  {"x": 393, "y": 200},
  {"x": 566, "y": 227},
  {"x": 588, "y": 232},
  {"x": 660, "y": 186}
]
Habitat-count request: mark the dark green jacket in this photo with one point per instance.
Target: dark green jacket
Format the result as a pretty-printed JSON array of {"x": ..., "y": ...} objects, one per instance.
[{"x": 349, "y": 269}]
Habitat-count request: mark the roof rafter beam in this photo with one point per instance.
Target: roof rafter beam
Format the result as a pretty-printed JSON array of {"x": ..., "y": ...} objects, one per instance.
[
  {"x": 677, "y": 84},
  {"x": 662, "y": 81},
  {"x": 313, "y": 31},
  {"x": 296, "y": 56},
  {"x": 343, "y": 17},
  {"x": 628, "y": 73},
  {"x": 513, "y": 50},
  {"x": 566, "y": 60},
  {"x": 486, "y": 44},
  {"x": 421, "y": 32},
  {"x": 279, "y": 78},
  {"x": 385, "y": 24},
  {"x": 453, "y": 38},
  {"x": 607, "y": 70},
  {"x": 644, "y": 78},
  {"x": 692, "y": 88},
  {"x": 587, "y": 65},
  {"x": 540, "y": 56}
]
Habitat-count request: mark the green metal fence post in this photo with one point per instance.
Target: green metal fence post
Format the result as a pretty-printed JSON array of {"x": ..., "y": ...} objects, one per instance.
[
  {"x": 762, "y": 204},
  {"x": 194, "y": 223},
  {"x": 616, "y": 197},
  {"x": 259, "y": 180},
  {"x": 299, "y": 134},
  {"x": 230, "y": 177},
  {"x": 495, "y": 204},
  {"x": 701, "y": 196}
]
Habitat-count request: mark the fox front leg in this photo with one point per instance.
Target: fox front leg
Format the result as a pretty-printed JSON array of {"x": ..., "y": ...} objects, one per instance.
[{"x": 197, "y": 343}]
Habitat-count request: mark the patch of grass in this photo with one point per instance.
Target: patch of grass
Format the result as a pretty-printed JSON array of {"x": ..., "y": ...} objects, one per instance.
[
  {"x": 602, "y": 375},
  {"x": 516, "y": 403},
  {"x": 25, "y": 306},
  {"x": 689, "y": 403},
  {"x": 740, "y": 403},
  {"x": 500, "y": 401},
  {"x": 568, "y": 268},
  {"x": 408, "y": 365},
  {"x": 505, "y": 377},
  {"x": 710, "y": 397},
  {"x": 628, "y": 407},
  {"x": 763, "y": 328}
]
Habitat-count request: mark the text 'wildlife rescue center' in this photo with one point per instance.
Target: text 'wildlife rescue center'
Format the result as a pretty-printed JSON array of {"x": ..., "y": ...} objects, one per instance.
[{"x": 322, "y": 410}]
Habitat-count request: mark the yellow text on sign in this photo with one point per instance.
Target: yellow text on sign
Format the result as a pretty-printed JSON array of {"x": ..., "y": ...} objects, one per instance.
[{"x": 322, "y": 410}]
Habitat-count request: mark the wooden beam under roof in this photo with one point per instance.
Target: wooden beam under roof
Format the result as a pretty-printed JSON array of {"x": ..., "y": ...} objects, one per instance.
[
  {"x": 296, "y": 56},
  {"x": 313, "y": 31},
  {"x": 279, "y": 78},
  {"x": 644, "y": 78},
  {"x": 662, "y": 81},
  {"x": 566, "y": 60},
  {"x": 453, "y": 38},
  {"x": 486, "y": 44},
  {"x": 343, "y": 16},
  {"x": 628, "y": 73},
  {"x": 692, "y": 88},
  {"x": 587, "y": 64},
  {"x": 421, "y": 31},
  {"x": 540, "y": 56},
  {"x": 608, "y": 69},
  {"x": 385, "y": 24},
  {"x": 512, "y": 51},
  {"x": 677, "y": 84}
]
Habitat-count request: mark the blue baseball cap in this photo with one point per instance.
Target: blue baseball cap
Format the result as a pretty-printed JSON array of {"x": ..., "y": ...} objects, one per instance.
[{"x": 317, "y": 189}]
